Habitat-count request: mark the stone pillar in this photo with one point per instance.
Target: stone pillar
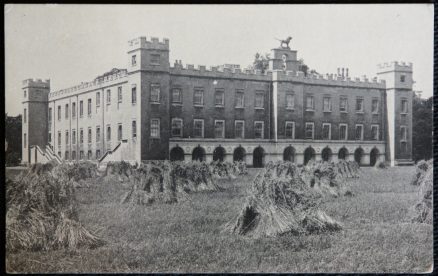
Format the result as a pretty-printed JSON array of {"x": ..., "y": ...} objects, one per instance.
[
  {"x": 208, "y": 157},
  {"x": 249, "y": 159},
  {"x": 381, "y": 158},
  {"x": 187, "y": 157},
  {"x": 335, "y": 158},
  {"x": 318, "y": 156},
  {"x": 365, "y": 160},
  {"x": 299, "y": 158},
  {"x": 228, "y": 157}
]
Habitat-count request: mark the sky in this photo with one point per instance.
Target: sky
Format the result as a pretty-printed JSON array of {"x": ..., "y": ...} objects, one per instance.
[{"x": 70, "y": 44}]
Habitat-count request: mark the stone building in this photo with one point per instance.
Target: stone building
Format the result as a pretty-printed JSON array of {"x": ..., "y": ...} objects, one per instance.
[{"x": 153, "y": 110}]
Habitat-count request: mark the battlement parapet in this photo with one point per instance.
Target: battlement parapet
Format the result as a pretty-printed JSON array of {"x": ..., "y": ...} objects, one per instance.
[
  {"x": 395, "y": 66},
  {"x": 143, "y": 43},
  {"x": 95, "y": 84},
  {"x": 36, "y": 83}
]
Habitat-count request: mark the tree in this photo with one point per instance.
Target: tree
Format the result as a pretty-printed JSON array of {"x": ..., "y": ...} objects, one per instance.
[
  {"x": 422, "y": 128},
  {"x": 261, "y": 62},
  {"x": 13, "y": 138}
]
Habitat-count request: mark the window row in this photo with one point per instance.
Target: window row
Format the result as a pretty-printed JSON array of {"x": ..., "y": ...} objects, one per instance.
[
  {"x": 73, "y": 156},
  {"x": 327, "y": 104},
  {"x": 309, "y": 131}
]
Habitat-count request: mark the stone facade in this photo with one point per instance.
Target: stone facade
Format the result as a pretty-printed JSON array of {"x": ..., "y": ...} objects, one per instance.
[{"x": 184, "y": 113}]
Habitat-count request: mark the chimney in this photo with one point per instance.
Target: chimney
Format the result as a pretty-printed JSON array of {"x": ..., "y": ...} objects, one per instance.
[
  {"x": 346, "y": 72},
  {"x": 339, "y": 71},
  {"x": 342, "y": 72}
]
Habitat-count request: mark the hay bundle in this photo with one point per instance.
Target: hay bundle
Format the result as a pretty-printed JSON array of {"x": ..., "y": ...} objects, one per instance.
[
  {"x": 280, "y": 202},
  {"x": 76, "y": 172},
  {"x": 121, "y": 171},
  {"x": 228, "y": 169},
  {"x": 194, "y": 176},
  {"x": 37, "y": 205},
  {"x": 422, "y": 212},
  {"x": 380, "y": 165},
  {"x": 420, "y": 171}
]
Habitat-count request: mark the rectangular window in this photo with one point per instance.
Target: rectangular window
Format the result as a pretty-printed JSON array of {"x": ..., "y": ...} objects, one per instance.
[
  {"x": 81, "y": 109},
  {"x": 198, "y": 96},
  {"x": 108, "y": 133},
  {"x": 134, "y": 129},
  {"x": 259, "y": 100},
  {"x": 98, "y": 134},
  {"x": 403, "y": 147},
  {"x": 239, "y": 129},
  {"x": 24, "y": 140},
  {"x": 97, "y": 99},
  {"x": 66, "y": 111},
  {"x": 25, "y": 115},
  {"x": 155, "y": 128},
  {"x": 67, "y": 138},
  {"x": 73, "y": 155},
  {"x": 402, "y": 78},
  {"x": 327, "y": 104},
  {"x": 89, "y": 155},
  {"x": 119, "y": 132},
  {"x": 404, "y": 106},
  {"x": 89, "y": 107},
  {"x": 97, "y": 154},
  {"x": 134, "y": 94},
  {"x": 89, "y": 135},
  {"x": 240, "y": 99},
  {"x": 176, "y": 95},
  {"x": 119, "y": 94},
  {"x": 375, "y": 132},
  {"x": 259, "y": 129},
  {"x": 176, "y": 128},
  {"x": 326, "y": 131},
  {"x": 155, "y": 59},
  {"x": 219, "y": 129},
  {"x": 59, "y": 112},
  {"x": 133, "y": 60},
  {"x": 403, "y": 133},
  {"x": 198, "y": 128},
  {"x": 50, "y": 116},
  {"x": 290, "y": 101},
  {"x": 310, "y": 104},
  {"x": 59, "y": 138},
  {"x": 375, "y": 106},
  {"x": 25, "y": 93},
  {"x": 50, "y": 137},
  {"x": 359, "y": 132},
  {"x": 73, "y": 110},
  {"x": 81, "y": 136},
  {"x": 108, "y": 96},
  {"x": 343, "y": 104},
  {"x": 309, "y": 130},
  {"x": 59, "y": 154},
  {"x": 73, "y": 136},
  {"x": 343, "y": 134},
  {"x": 289, "y": 130},
  {"x": 219, "y": 98},
  {"x": 67, "y": 155},
  {"x": 81, "y": 155},
  {"x": 155, "y": 93},
  {"x": 359, "y": 104}
]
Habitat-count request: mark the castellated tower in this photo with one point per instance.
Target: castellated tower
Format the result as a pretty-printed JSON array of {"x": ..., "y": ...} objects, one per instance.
[
  {"x": 148, "y": 68},
  {"x": 34, "y": 127},
  {"x": 399, "y": 95}
]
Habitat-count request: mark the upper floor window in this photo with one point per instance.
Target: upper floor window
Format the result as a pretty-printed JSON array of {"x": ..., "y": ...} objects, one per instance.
[
  {"x": 326, "y": 131},
  {"x": 81, "y": 136},
  {"x": 290, "y": 101},
  {"x": 309, "y": 130},
  {"x": 375, "y": 106},
  {"x": 403, "y": 133},
  {"x": 219, "y": 98},
  {"x": 310, "y": 104},
  {"x": 73, "y": 110},
  {"x": 198, "y": 128},
  {"x": 289, "y": 130},
  {"x": 176, "y": 95},
  {"x": 134, "y": 129},
  {"x": 259, "y": 100},
  {"x": 374, "y": 132},
  {"x": 155, "y": 59},
  {"x": 89, "y": 155},
  {"x": 24, "y": 140},
  {"x": 259, "y": 129},
  {"x": 239, "y": 129},
  {"x": 327, "y": 104},
  {"x": 155, "y": 128},
  {"x": 66, "y": 111},
  {"x": 73, "y": 136},
  {"x": 66, "y": 137},
  {"x": 134, "y": 94},
  {"x": 97, "y": 154},
  {"x": 404, "y": 105},
  {"x": 59, "y": 138},
  {"x": 155, "y": 93},
  {"x": 59, "y": 112},
  {"x": 219, "y": 129},
  {"x": 89, "y": 135},
  {"x": 50, "y": 115},
  {"x": 67, "y": 155},
  {"x": 98, "y": 134},
  {"x": 108, "y": 96},
  {"x": 343, "y": 104},
  {"x": 25, "y": 93},
  {"x": 108, "y": 133},
  {"x": 359, "y": 132},
  {"x": 402, "y": 78},
  {"x": 198, "y": 96},
  {"x": 25, "y": 115},
  {"x": 97, "y": 98},
  {"x": 119, "y": 132},
  {"x": 119, "y": 94},
  {"x": 89, "y": 107},
  {"x": 359, "y": 104},
  {"x": 176, "y": 127},
  {"x": 240, "y": 99},
  {"x": 343, "y": 131},
  {"x": 133, "y": 60},
  {"x": 81, "y": 109},
  {"x": 81, "y": 155}
]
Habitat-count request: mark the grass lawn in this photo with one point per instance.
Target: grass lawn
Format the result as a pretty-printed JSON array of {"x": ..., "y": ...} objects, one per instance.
[{"x": 186, "y": 237}]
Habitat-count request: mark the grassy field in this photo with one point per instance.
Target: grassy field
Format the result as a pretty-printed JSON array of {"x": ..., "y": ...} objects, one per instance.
[{"x": 186, "y": 237}]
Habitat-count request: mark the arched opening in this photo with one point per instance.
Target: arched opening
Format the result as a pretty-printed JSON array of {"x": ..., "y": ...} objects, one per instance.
[
  {"x": 309, "y": 154},
  {"x": 198, "y": 154},
  {"x": 343, "y": 154},
  {"x": 219, "y": 154},
  {"x": 358, "y": 154},
  {"x": 326, "y": 154},
  {"x": 239, "y": 154},
  {"x": 289, "y": 154},
  {"x": 258, "y": 157},
  {"x": 374, "y": 156},
  {"x": 177, "y": 154}
]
